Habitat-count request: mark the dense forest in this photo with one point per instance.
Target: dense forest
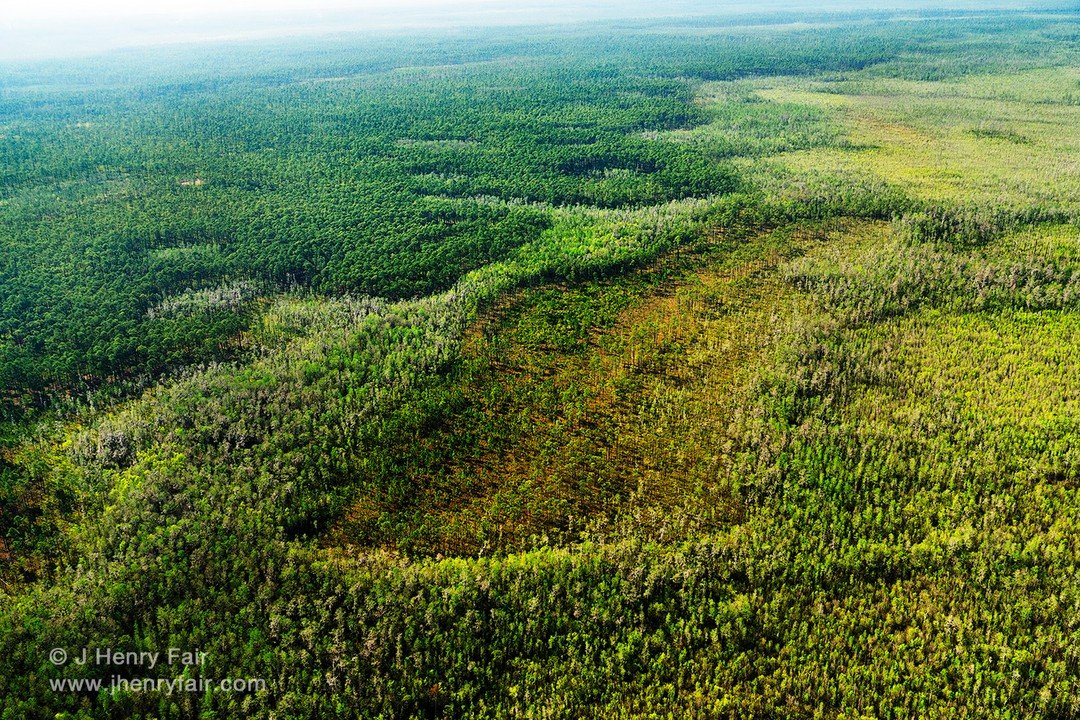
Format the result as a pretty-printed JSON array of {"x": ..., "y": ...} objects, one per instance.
[{"x": 725, "y": 367}]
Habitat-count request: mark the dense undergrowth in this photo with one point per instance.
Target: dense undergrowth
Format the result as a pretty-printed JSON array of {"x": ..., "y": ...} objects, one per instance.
[{"x": 795, "y": 437}]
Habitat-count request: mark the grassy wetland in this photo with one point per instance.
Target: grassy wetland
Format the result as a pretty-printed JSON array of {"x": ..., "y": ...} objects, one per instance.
[{"x": 676, "y": 369}]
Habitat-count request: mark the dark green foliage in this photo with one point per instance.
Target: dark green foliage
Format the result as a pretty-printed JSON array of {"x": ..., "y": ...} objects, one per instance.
[{"x": 372, "y": 183}]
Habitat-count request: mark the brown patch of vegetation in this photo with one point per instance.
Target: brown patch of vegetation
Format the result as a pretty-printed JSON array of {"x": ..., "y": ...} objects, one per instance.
[{"x": 591, "y": 407}]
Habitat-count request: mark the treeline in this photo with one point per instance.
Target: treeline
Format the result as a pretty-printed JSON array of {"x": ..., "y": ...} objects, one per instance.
[
  {"x": 366, "y": 185},
  {"x": 152, "y": 211}
]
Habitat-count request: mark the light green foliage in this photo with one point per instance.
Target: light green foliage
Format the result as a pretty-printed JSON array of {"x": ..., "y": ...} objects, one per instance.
[{"x": 1004, "y": 141}]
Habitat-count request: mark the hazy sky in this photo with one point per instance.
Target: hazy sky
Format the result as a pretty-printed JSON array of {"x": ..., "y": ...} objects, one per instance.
[
  {"x": 33, "y": 29},
  {"x": 51, "y": 10},
  {"x": 23, "y": 12}
]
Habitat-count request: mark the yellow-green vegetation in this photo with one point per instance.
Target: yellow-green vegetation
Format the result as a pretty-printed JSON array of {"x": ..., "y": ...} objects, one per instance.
[{"x": 1005, "y": 140}]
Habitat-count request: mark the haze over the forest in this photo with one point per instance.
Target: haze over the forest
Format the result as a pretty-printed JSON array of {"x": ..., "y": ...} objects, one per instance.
[{"x": 62, "y": 28}]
